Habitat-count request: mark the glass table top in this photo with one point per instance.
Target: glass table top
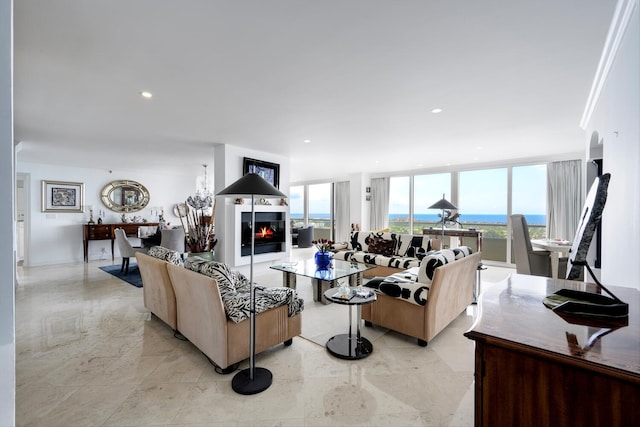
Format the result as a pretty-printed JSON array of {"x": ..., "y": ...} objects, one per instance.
[{"x": 337, "y": 270}]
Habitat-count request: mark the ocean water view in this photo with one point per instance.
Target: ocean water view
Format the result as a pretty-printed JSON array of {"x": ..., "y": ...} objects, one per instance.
[{"x": 532, "y": 219}]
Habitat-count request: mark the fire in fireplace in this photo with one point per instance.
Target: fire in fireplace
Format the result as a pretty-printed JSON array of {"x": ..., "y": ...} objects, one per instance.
[{"x": 269, "y": 235}]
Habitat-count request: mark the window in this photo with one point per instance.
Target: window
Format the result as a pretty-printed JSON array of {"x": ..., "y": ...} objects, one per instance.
[
  {"x": 427, "y": 190},
  {"x": 482, "y": 204},
  {"x": 399, "y": 214},
  {"x": 320, "y": 210},
  {"x": 296, "y": 203},
  {"x": 529, "y": 197}
]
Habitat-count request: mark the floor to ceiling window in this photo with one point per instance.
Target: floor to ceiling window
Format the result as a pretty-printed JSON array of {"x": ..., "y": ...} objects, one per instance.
[
  {"x": 482, "y": 204},
  {"x": 320, "y": 210},
  {"x": 399, "y": 204},
  {"x": 427, "y": 190},
  {"x": 529, "y": 197},
  {"x": 296, "y": 203}
]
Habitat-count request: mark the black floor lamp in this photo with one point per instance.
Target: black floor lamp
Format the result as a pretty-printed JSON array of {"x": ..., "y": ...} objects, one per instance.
[
  {"x": 252, "y": 380},
  {"x": 442, "y": 204}
]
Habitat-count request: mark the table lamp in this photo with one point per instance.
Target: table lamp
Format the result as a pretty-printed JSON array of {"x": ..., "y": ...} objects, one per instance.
[{"x": 442, "y": 204}]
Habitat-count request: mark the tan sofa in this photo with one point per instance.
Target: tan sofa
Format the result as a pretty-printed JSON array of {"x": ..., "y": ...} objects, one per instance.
[
  {"x": 202, "y": 320},
  {"x": 450, "y": 293},
  {"x": 159, "y": 297},
  {"x": 190, "y": 303}
]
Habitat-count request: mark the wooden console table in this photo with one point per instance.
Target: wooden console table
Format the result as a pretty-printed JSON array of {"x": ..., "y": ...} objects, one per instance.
[
  {"x": 534, "y": 368},
  {"x": 455, "y": 232},
  {"x": 107, "y": 232}
]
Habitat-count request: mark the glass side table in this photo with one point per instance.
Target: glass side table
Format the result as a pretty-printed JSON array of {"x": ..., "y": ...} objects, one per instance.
[{"x": 348, "y": 346}]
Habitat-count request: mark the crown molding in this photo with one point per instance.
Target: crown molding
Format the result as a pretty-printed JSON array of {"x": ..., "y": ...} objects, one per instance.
[{"x": 619, "y": 23}]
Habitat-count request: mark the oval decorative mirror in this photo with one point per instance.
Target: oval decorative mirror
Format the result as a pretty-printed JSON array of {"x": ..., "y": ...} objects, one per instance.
[{"x": 125, "y": 196}]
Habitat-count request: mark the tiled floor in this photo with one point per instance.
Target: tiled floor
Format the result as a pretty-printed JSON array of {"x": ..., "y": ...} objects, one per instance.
[{"x": 89, "y": 354}]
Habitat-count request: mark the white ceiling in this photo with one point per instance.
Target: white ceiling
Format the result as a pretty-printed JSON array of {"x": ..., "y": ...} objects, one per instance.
[{"x": 356, "y": 77}]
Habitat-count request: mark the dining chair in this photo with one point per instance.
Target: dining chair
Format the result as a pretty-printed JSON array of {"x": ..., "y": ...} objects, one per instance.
[
  {"x": 528, "y": 260},
  {"x": 126, "y": 249},
  {"x": 174, "y": 239}
]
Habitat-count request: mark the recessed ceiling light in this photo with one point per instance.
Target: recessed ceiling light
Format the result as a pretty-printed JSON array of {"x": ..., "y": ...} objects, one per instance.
[
  {"x": 478, "y": 148},
  {"x": 307, "y": 141},
  {"x": 436, "y": 110},
  {"x": 146, "y": 94}
]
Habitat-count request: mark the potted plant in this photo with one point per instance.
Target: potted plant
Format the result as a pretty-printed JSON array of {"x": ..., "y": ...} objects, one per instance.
[{"x": 199, "y": 228}]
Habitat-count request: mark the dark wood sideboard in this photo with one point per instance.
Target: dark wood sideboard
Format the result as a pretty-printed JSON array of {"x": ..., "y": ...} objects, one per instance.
[
  {"x": 536, "y": 368},
  {"x": 107, "y": 232}
]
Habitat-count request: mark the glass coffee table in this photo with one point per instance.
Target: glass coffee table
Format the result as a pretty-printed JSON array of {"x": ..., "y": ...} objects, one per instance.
[{"x": 322, "y": 280}]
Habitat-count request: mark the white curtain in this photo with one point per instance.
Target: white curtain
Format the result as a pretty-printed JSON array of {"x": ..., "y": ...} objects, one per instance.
[
  {"x": 565, "y": 197},
  {"x": 379, "y": 203},
  {"x": 342, "y": 211}
]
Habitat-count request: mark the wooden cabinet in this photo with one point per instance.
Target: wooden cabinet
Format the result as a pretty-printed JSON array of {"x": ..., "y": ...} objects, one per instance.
[
  {"x": 107, "y": 232},
  {"x": 536, "y": 368}
]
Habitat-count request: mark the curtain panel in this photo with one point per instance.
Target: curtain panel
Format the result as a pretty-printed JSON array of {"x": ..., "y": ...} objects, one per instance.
[
  {"x": 379, "y": 203},
  {"x": 342, "y": 211},
  {"x": 565, "y": 197}
]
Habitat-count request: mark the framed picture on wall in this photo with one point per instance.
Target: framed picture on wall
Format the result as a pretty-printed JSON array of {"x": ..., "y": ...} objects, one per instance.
[
  {"x": 269, "y": 171},
  {"x": 61, "y": 196}
]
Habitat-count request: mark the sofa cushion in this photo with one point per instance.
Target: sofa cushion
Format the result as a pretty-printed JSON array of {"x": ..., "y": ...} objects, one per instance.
[
  {"x": 360, "y": 240},
  {"x": 378, "y": 245},
  {"x": 165, "y": 254},
  {"x": 413, "y": 292},
  {"x": 235, "y": 291},
  {"x": 413, "y": 246},
  {"x": 431, "y": 262},
  {"x": 221, "y": 272}
]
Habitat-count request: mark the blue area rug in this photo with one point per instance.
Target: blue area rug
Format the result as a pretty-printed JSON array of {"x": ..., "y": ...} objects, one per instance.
[{"x": 133, "y": 278}]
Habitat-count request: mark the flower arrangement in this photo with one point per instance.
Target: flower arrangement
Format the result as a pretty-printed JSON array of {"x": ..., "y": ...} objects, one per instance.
[
  {"x": 199, "y": 228},
  {"x": 323, "y": 245}
]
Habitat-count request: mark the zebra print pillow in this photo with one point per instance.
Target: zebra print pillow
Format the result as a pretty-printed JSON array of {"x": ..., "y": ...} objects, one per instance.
[
  {"x": 235, "y": 290},
  {"x": 165, "y": 254}
]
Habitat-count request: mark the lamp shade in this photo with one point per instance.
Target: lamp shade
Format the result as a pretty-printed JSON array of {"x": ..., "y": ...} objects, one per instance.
[
  {"x": 442, "y": 204},
  {"x": 251, "y": 184}
]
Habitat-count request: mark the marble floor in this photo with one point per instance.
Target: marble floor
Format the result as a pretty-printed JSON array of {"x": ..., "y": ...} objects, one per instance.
[{"x": 89, "y": 354}]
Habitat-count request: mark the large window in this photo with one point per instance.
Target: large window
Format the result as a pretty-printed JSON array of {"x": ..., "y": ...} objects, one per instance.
[
  {"x": 320, "y": 210},
  {"x": 427, "y": 190},
  {"x": 399, "y": 202},
  {"x": 482, "y": 204},
  {"x": 296, "y": 203},
  {"x": 529, "y": 197}
]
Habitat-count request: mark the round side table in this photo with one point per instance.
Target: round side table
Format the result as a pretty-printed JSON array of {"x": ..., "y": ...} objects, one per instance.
[{"x": 348, "y": 346}]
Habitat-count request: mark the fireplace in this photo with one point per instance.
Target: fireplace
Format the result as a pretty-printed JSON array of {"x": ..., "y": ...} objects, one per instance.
[{"x": 269, "y": 231}]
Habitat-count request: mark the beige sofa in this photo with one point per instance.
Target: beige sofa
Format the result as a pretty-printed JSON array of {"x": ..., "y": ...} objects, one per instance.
[
  {"x": 202, "y": 320},
  {"x": 159, "y": 297},
  {"x": 191, "y": 303},
  {"x": 450, "y": 292}
]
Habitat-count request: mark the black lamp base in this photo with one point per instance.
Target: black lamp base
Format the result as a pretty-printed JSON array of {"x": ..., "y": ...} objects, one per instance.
[{"x": 243, "y": 384}]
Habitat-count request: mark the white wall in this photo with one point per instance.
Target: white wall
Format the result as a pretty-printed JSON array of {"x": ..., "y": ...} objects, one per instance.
[
  {"x": 54, "y": 238},
  {"x": 7, "y": 221},
  {"x": 615, "y": 117}
]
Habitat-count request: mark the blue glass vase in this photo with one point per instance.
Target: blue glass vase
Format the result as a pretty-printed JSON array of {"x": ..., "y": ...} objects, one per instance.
[{"x": 323, "y": 260}]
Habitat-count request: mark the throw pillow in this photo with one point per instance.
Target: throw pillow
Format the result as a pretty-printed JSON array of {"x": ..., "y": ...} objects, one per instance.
[
  {"x": 378, "y": 245},
  {"x": 165, "y": 254}
]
